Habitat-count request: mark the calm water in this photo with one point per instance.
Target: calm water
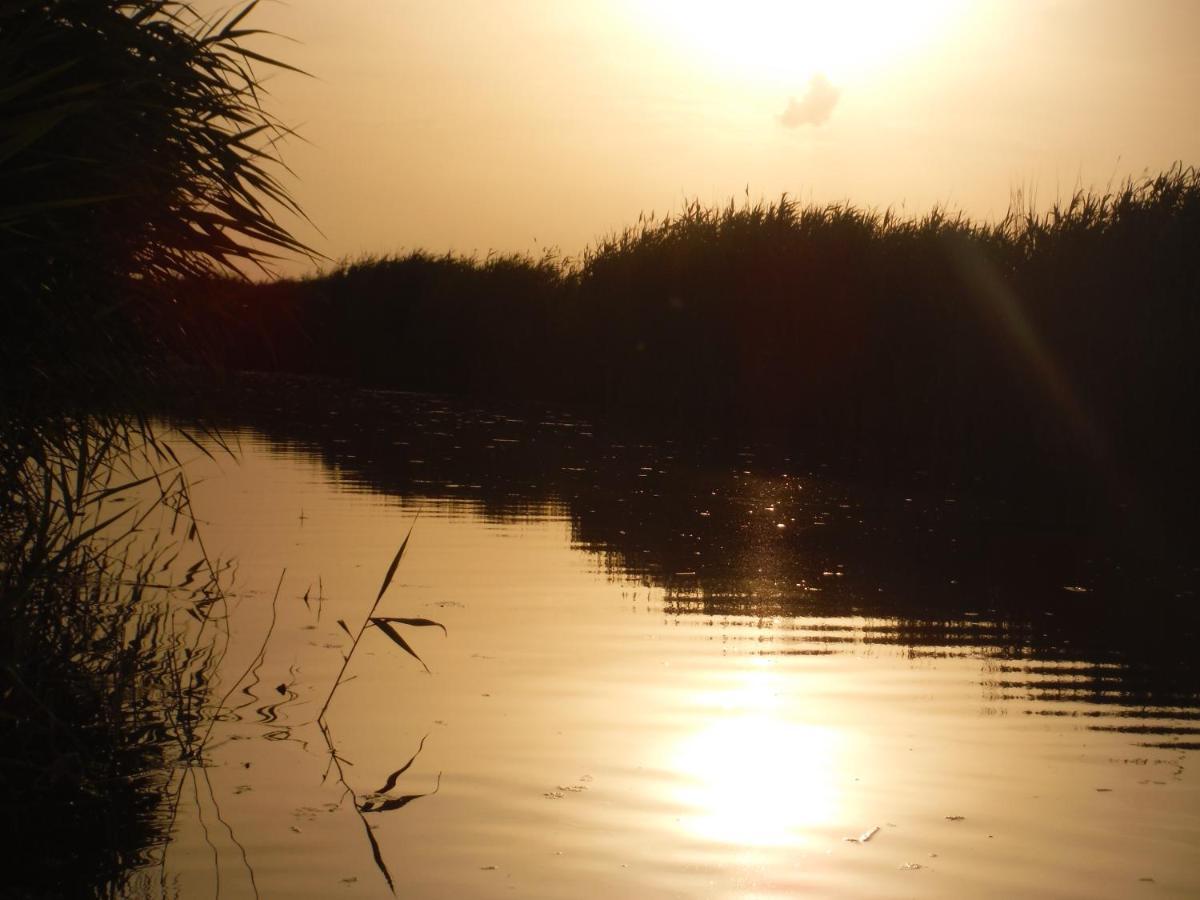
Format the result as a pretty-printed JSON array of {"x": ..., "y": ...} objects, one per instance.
[{"x": 669, "y": 673}]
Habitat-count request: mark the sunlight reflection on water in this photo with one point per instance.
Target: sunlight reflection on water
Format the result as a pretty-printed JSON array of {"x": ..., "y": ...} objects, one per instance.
[
  {"x": 755, "y": 775},
  {"x": 591, "y": 727}
]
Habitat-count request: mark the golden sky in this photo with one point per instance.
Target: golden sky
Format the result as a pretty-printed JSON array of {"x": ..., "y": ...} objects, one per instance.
[{"x": 477, "y": 125}]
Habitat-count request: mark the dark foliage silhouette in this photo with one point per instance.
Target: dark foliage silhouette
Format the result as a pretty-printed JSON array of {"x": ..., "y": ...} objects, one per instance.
[
  {"x": 134, "y": 154},
  {"x": 1047, "y": 352}
]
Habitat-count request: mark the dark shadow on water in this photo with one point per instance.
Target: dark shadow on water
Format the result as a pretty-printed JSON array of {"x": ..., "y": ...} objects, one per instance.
[
  {"x": 91, "y": 850},
  {"x": 747, "y": 535}
]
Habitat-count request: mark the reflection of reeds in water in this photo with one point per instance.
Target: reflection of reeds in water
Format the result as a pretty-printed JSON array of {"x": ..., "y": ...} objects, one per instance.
[
  {"x": 381, "y": 800},
  {"x": 1022, "y": 661},
  {"x": 106, "y": 654},
  {"x": 137, "y": 155},
  {"x": 945, "y": 574}
]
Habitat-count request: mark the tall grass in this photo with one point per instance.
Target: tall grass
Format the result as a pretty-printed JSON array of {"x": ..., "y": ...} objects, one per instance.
[
  {"x": 135, "y": 154},
  {"x": 1048, "y": 349}
]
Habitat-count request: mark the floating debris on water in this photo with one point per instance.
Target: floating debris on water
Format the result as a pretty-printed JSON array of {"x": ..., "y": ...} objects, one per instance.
[
  {"x": 553, "y": 795},
  {"x": 955, "y": 818},
  {"x": 1075, "y": 589},
  {"x": 573, "y": 788},
  {"x": 864, "y": 837},
  {"x": 487, "y": 868},
  {"x": 911, "y": 867}
]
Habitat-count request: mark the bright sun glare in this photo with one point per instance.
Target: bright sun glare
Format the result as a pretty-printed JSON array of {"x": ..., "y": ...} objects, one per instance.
[
  {"x": 786, "y": 42},
  {"x": 753, "y": 777}
]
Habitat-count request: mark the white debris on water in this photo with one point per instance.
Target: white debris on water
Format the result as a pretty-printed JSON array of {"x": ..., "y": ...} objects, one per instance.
[{"x": 865, "y": 836}]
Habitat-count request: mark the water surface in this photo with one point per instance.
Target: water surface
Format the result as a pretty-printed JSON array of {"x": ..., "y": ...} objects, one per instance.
[{"x": 669, "y": 673}]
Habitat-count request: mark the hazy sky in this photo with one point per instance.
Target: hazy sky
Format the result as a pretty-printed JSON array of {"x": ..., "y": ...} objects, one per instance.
[{"x": 477, "y": 125}]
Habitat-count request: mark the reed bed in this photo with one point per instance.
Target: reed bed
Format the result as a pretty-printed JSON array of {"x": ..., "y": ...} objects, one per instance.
[
  {"x": 136, "y": 154},
  {"x": 1050, "y": 350}
]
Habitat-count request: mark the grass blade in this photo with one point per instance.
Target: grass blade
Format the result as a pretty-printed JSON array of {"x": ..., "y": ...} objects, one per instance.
[
  {"x": 398, "y": 639},
  {"x": 395, "y": 776},
  {"x": 378, "y": 855},
  {"x": 405, "y": 621},
  {"x": 376, "y": 806},
  {"x": 387, "y": 579}
]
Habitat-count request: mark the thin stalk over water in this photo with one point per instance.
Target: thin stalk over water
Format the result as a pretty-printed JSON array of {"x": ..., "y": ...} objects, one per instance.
[{"x": 369, "y": 619}]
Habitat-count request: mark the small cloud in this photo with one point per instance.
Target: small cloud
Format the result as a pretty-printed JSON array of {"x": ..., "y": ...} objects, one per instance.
[{"x": 814, "y": 107}]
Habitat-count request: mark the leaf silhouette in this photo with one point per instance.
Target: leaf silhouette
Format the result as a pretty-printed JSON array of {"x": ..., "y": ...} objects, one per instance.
[
  {"x": 345, "y": 627},
  {"x": 404, "y": 621},
  {"x": 378, "y": 854},
  {"x": 391, "y": 779},
  {"x": 378, "y": 806},
  {"x": 386, "y": 628},
  {"x": 387, "y": 579}
]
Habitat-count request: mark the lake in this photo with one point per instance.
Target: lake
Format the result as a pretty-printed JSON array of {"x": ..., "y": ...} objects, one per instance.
[{"x": 670, "y": 670}]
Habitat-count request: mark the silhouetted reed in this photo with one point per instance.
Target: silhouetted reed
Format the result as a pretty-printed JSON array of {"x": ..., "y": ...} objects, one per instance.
[
  {"x": 1048, "y": 351},
  {"x": 381, "y": 800},
  {"x": 386, "y": 624},
  {"x": 136, "y": 154}
]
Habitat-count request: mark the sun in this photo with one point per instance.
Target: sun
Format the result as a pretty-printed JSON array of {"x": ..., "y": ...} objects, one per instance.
[{"x": 786, "y": 42}]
